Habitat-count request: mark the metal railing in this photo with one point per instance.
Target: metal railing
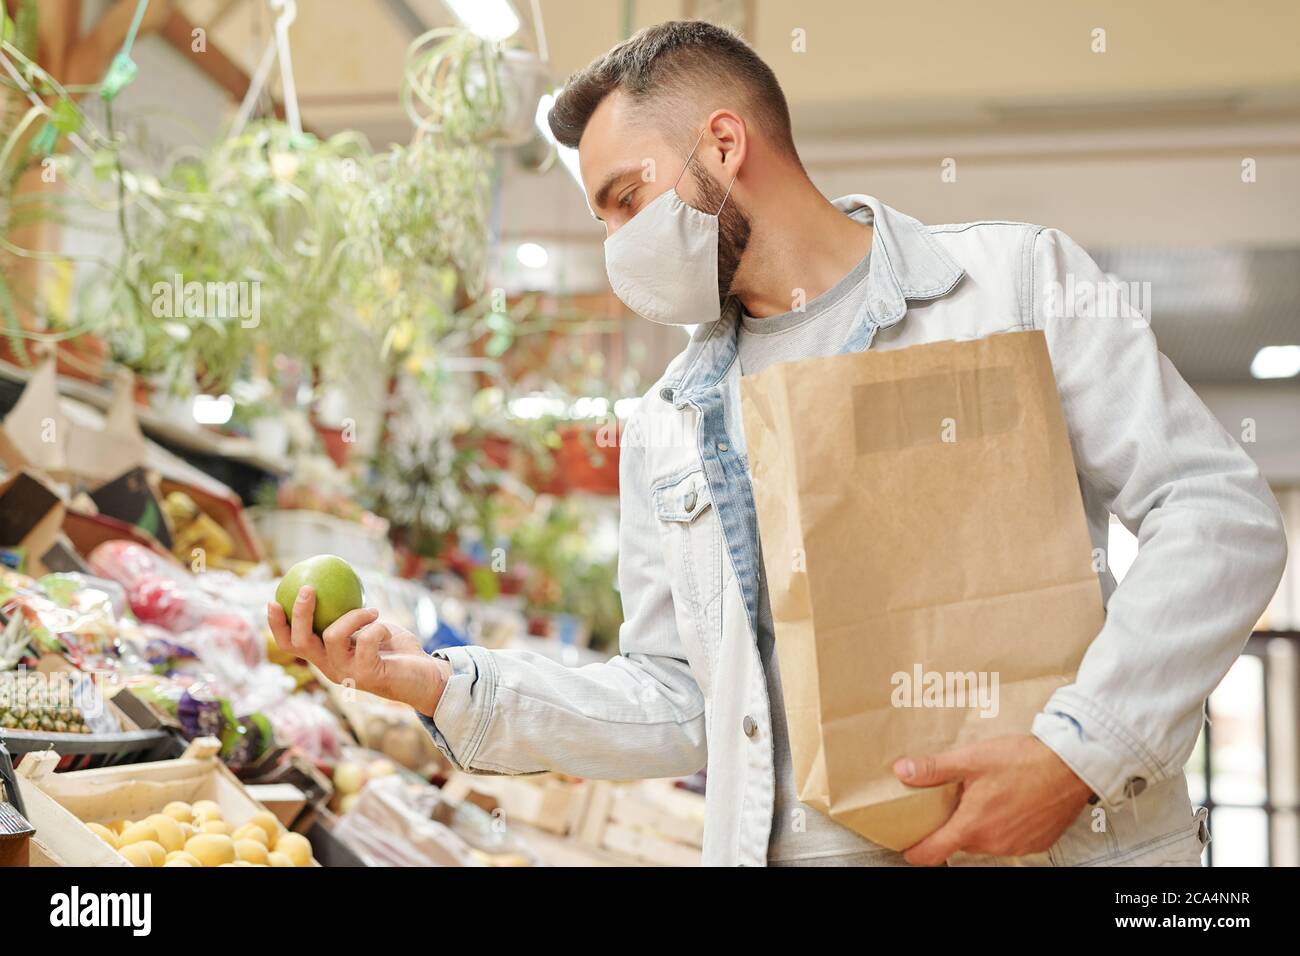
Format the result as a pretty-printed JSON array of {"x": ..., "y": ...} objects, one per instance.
[{"x": 1279, "y": 654}]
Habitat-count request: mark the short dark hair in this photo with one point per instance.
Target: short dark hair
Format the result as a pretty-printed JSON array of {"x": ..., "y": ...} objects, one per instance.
[{"x": 670, "y": 63}]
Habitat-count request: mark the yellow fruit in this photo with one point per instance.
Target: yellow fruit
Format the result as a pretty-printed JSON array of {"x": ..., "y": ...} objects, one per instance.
[
  {"x": 251, "y": 831},
  {"x": 189, "y": 859},
  {"x": 137, "y": 832},
  {"x": 211, "y": 849},
  {"x": 104, "y": 833},
  {"x": 205, "y": 808},
  {"x": 296, "y": 847},
  {"x": 203, "y": 816},
  {"x": 117, "y": 826},
  {"x": 180, "y": 811},
  {"x": 170, "y": 834},
  {"x": 188, "y": 830},
  {"x": 250, "y": 850},
  {"x": 216, "y": 826},
  {"x": 144, "y": 853},
  {"x": 349, "y": 777},
  {"x": 348, "y": 802},
  {"x": 382, "y": 768},
  {"x": 275, "y": 858},
  {"x": 269, "y": 823},
  {"x": 180, "y": 862}
]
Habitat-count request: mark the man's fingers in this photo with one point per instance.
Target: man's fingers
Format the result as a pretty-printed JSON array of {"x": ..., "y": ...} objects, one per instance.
[
  {"x": 338, "y": 639},
  {"x": 279, "y": 625},
  {"x": 935, "y": 849},
  {"x": 369, "y": 640},
  {"x": 303, "y": 639},
  {"x": 350, "y": 623},
  {"x": 932, "y": 769}
]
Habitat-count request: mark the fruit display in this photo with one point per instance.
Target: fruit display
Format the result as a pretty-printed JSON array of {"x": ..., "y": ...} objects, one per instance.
[
  {"x": 338, "y": 589},
  {"x": 184, "y": 834},
  {"x": 77, "y": 615},
  {"x": 14, "y": 638},
  {"x": 355, "y": 771},
  {"x": 31, "y": 701}
]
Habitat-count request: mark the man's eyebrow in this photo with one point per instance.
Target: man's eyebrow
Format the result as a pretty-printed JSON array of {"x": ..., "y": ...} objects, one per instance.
[{"x": 602, "y": 194}]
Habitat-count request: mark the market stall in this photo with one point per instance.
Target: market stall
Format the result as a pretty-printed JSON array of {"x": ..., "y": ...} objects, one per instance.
[{"x": 184, "y": 422}]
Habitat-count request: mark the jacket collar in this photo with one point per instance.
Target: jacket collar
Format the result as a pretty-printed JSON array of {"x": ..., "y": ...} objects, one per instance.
[{"x": 905, "y": 264}]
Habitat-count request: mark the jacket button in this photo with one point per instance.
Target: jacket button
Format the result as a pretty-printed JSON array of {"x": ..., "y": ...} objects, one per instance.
[
  {"x": 1136, "y": 786},
  {"x": 722, "y": 446},
  {"x": 749, "y": 726},
  {"x": 689, "y": 501}
]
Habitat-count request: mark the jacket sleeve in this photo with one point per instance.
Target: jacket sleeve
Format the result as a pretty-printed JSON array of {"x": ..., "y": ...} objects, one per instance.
[
  {"x": 640, "y": 714},
  {"x": 1211, "y": 546}
]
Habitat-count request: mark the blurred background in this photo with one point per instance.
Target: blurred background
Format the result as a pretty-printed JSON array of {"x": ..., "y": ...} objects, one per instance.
[{"x": 445, "y": 395}]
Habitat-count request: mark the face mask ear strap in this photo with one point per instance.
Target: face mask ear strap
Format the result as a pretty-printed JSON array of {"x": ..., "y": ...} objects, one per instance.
[
  {"x": 690, "y": 157},
  {"x": 728, "y": 193}
]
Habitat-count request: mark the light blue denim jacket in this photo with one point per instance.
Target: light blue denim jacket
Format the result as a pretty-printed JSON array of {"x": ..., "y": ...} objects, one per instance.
[{"x": 687, "y": 689}]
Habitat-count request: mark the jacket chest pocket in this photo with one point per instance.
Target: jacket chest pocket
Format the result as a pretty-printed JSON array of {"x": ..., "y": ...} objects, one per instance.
[{"x": 692, "y": 546}]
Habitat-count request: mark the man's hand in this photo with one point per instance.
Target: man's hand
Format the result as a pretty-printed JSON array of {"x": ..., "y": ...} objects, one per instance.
[
  {"x": 1017, "y": 797},
  {"x": 359, "y": 648}
]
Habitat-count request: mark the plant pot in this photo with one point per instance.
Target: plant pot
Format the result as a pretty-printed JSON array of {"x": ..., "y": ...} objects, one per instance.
[
  {"x": 335, "y": 446},
  {"x": 582, "y": 465}
]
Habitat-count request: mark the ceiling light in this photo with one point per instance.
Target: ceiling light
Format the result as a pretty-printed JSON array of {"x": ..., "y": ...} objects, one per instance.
[
  {"x": 531, "y": 255},
  {"x": 213, "y": 409},
  {"x": 490, "y": 19},
  {"x": 1276, "y": 361}
]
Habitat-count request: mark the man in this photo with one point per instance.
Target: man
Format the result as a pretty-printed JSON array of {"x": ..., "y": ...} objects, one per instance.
[{"x": 687, "y": 156}]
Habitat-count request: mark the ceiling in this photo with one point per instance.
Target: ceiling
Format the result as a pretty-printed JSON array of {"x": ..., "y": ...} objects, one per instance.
[
  {"x": 856, "y": 65},
  {"x": 1213, "y": 309},
  {"x": 998, "y": 69}
]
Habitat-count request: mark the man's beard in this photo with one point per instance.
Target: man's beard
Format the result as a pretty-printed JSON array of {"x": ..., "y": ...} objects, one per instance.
[{"x": 733, "y": 226}]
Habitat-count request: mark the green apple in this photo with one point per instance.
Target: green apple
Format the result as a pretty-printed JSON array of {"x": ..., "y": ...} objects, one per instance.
[{"x": 338, "y": 589}]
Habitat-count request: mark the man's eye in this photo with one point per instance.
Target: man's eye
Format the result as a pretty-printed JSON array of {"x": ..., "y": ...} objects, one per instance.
[{"x": 626, "y": 199}]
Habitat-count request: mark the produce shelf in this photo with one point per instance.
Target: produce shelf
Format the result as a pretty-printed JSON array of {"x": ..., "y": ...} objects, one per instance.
[{"x": 90, "y": 751}]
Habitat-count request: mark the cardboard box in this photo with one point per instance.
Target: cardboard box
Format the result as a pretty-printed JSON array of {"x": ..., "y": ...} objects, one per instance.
[
  {"x": 32, "y": 511},
  {"x": 224, "y": 507},
  {"x": 132, "y": 497},
  {"x": 38, "y": 434}
]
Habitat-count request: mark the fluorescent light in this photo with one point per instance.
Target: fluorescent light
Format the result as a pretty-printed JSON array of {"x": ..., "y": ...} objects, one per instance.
[
  {"x": 490, "y": 19},
  {"x": 1276, "y": 361},
  {"x": 589, "y": 407},
  {"x": 213, "y": 409},
  {"x": 536, "y": 406},
  {"x": 531, "y": 255},
  {"x": 540, "y": 405}
]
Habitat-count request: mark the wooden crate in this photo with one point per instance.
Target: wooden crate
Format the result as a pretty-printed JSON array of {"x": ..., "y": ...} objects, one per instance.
[
  {"x": 60, "y": 805},
  {"x": 647, "y": 820},
  {"x": 546, "y": 801}
]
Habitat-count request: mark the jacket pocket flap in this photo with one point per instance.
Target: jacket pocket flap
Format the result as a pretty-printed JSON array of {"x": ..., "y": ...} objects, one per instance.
[{"x": 682, "y": 499}]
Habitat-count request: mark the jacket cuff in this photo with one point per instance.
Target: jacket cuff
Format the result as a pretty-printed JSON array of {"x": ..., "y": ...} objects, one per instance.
[
  {"x": 460, "y": 720},
  {"x": 1101, "y": 752}
]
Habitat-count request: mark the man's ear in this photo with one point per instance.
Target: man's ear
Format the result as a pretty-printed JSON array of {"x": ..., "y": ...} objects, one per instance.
[{"x": 730, "y": 142}]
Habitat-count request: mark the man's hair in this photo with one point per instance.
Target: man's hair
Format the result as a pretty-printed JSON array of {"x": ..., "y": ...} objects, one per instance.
[{"x": 666, "y": 69}]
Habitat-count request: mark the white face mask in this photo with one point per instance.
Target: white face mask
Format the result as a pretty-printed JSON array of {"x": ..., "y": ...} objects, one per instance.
[{"x": 663, "y": 263}]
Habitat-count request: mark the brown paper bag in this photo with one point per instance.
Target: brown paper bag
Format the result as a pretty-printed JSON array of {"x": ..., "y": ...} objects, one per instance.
[{"x": 927, "y": 558}]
